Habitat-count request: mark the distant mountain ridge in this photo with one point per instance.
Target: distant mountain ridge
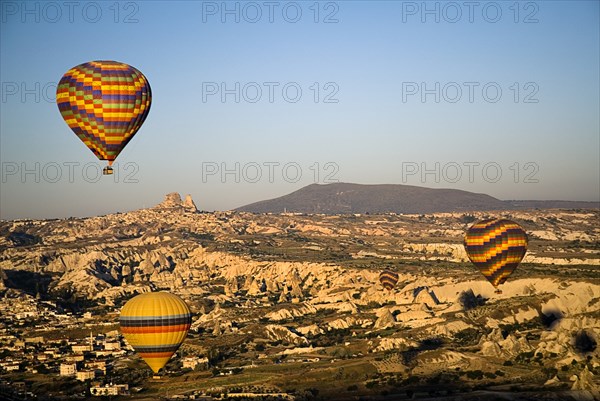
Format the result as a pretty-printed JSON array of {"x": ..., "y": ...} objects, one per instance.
[{"x": 340, "y": 198}]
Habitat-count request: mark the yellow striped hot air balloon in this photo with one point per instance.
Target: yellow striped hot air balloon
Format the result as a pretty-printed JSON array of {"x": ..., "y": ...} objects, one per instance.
[
  {"x": 388, "y": 279},
  {"x": 496, "y": 247},
  {"x": 105, "y": 103},
  {"x": 155, "y": 324}
]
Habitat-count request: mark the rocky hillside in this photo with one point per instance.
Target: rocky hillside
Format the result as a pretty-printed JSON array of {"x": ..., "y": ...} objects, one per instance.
[
  {"x": 172, "y": 245},
  {"x": 267, "y": 288}
]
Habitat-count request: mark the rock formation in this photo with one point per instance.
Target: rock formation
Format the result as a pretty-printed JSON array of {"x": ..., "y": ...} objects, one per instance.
[
  {"x": 385, "y": 319},
  {"x": 188, "y": 204},
  {"x": 173, "y": 202},
  {"x": 584, "y": 384},
  {"x": 172, "y": 199}
]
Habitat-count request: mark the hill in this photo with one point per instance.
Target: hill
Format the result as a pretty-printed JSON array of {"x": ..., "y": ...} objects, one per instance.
[{"x": 357, "y": 198}]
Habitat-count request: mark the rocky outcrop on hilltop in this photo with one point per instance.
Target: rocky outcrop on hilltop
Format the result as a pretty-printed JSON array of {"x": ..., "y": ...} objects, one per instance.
[
  {"x": 173, "y": 201},
  {"x": 189, "y": 204}
]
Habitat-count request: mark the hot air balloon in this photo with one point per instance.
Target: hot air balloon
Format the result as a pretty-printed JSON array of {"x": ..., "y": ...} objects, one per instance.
[
  {"x": 388, "y": 279},
  {"x": 496, "y": 247},
  {"x": 155, "y": 324},
  {"x": 105, "y": 103}
]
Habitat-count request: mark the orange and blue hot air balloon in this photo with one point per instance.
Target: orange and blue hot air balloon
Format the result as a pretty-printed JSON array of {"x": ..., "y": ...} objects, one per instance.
[
  {"x": 105, "y": 103},
  {"x": 496, "y": 247},
  {"x": 155, "y": 324}
]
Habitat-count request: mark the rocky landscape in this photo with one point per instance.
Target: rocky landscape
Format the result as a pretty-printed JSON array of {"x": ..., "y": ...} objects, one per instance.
[{"x": 292, "y": 302}]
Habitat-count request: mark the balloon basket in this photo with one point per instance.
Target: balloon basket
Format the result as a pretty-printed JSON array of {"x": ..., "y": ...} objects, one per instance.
[
  {"x": 156, "y": 377},
  {"x": 498, "y": 291},
  {"x": 107, "y": 170}
]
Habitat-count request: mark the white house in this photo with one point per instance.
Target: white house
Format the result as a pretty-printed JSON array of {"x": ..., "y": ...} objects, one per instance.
[{"x": 68, "y": 369}]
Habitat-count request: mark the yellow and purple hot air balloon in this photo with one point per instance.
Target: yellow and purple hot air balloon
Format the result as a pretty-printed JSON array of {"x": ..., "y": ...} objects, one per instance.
[
  {"x": 155, "y": 324},
  {"x": 496, "y": 247},
  {"x": 105, "y": 103},
  {"x": 388, "y": 279}
]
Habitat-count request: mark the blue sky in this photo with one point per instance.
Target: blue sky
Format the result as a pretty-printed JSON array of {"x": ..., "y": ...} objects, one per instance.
[{"x": 369, "y": 123}]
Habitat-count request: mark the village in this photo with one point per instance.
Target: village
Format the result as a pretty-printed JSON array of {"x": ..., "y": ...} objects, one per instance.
[
  {"x": 90, "y": 360},
  {"x": 84, "y": 359}
]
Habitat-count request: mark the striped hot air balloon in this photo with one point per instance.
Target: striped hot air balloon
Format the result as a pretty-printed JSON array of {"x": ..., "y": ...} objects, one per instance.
[
  {"x": 105, "y": 103},
  {"x": 496, "y": 247},
  {"x": 155, "y": 324},
  {"x": 388, "y": 279}
]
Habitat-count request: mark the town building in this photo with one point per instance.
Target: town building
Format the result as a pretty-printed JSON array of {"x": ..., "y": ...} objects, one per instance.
[
  {"x": 109, "y": 389},
  {"x": 68, "y": 369},
  {"x": 81, "y": 348},
  {"x": 85, "y": 375},
  {"x": 98, "y": 366},
  {"x": 192, "y": 362},
  {"x": 112, "y": 345}
]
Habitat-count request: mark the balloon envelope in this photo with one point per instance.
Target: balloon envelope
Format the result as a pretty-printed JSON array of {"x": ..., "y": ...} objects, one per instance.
[
  {"x": 388, "y": 279},
  {"x": 155, "y": 324},
  {"x": 496, "y": 247},
  {"x": 105, "y": 103}
]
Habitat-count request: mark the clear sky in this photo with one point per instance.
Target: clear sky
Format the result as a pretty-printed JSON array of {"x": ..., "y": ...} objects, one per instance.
[{"x": 494, "y": 97}]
